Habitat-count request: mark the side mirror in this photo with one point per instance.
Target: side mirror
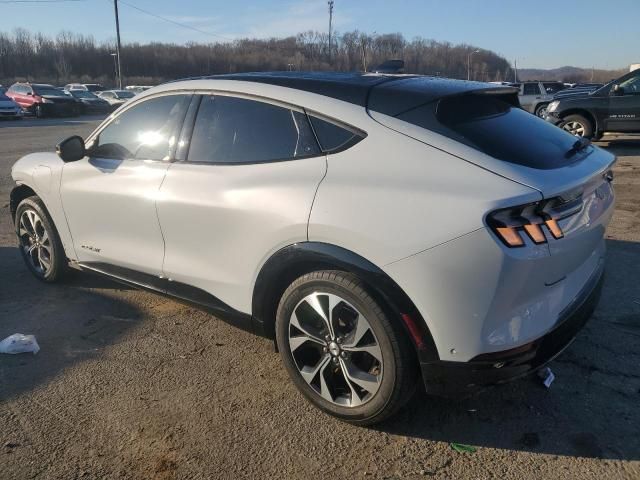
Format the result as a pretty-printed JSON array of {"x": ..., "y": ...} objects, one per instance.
[
  {"x": 617, "y": 90},
  {"x": 30, "y": 94},
  {"x": 71, "y": 149}
]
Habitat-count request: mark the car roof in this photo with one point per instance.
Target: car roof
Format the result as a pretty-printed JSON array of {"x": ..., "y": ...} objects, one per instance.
[{"x": 388, "y": 94}]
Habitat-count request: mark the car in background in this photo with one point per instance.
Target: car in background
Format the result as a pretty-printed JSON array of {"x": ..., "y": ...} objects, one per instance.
[
  {"x": 87, "y": 87},
  {"x": 42, "y": 99},
  {"x": 116, "y": 97},
  {"x": 614, "y": 107},
  {"x": 90, "y": 102},
  {"x": 9, "y": 108},
  {"x": 535, "y": 96},
  {"x": 389, "y": 67},
  {"x": 3, "y": 89},
  {"x": 137, "y": 89}
]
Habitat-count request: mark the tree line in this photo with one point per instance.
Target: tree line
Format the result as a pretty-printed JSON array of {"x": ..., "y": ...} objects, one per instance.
[{"x": 70, "y": 57}]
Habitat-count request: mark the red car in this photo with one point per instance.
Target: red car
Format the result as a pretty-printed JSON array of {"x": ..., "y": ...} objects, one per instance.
[{"x": 42, "y": 99}]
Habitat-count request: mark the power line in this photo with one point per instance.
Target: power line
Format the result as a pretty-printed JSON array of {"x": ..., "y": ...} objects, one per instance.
[
  {"x": 174, "y": 22},
  {"x": 40, "y": 1}
]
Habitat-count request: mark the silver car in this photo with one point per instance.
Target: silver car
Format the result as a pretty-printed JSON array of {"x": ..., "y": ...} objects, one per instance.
[{"x": 536, "y": 96}]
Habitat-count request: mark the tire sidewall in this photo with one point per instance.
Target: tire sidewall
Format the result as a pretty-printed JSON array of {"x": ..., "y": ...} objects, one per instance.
[
  {"x": 57, "y": 251},
  {"x": 588, "y": 127},
  {"x": 382, "y": 397}
]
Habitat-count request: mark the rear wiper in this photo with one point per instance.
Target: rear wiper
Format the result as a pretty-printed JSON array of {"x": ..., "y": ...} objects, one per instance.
[{"x": 579, "y": 145}]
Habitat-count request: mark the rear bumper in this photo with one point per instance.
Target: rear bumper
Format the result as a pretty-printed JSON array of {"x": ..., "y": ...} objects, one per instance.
[{"x": 454, "y": 379}]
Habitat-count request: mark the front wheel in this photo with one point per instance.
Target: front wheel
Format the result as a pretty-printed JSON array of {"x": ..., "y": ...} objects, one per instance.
[
  {"x": 39, "y": 242},
  {"x": 39, "y": 111},
  {"x": 541, "y": 110},
  {"x": 578, "y": 125},
  {"x": 341, "y": 350}
]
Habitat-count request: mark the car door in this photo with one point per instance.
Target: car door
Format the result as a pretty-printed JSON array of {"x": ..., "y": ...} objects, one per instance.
[
  {"x": 109, "y": 197},
  {"x": 624, "y": 106},
  {"x": 242, "y": 191}
]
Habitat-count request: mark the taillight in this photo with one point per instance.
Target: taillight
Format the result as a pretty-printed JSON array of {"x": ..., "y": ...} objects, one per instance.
[{"x": 536, "y": 220}]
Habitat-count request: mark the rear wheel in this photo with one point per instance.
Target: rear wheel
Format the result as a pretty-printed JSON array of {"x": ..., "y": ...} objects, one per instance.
[
  {"x": 341, "y": 350},
  {"x": 578, "y": 125},
  {"x": 39, "y": 242}
]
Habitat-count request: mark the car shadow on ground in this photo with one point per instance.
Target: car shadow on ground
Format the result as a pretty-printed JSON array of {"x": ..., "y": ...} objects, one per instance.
[
  {"x": 591, "y": 410},
  {"x": 72, "y": 322},
  {"x": 628, "y": 146}
]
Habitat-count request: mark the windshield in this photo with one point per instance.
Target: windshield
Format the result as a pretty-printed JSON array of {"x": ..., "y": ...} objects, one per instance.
[
  {"x": 48, "y": 91},
  {"x": 82, "y": 94},
  {"x": 94, "y": 88},
  {"x": 124, "y": 94}
]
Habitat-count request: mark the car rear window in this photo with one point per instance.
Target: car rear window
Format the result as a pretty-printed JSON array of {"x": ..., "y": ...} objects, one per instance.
[{"x": 497, "y": 128}]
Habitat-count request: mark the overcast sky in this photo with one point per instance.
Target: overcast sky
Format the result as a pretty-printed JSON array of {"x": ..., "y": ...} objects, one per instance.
[{"x": 539, "y": 33}]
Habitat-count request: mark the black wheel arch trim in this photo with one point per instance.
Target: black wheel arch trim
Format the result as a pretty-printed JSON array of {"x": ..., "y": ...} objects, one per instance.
[{"x": 295, "y": 260}]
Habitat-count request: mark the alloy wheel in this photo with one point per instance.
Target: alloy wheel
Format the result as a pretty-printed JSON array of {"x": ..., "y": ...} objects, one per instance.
[
  {"x": 574, "y": 128},
  {"x": 335, "y": 349},
  {"x": 35, "y": 241}
]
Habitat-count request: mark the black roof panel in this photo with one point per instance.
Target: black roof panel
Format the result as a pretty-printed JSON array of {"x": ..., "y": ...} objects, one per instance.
[
  {"x": 386, "y": 94},
  {"x": 349, "y": 87}
]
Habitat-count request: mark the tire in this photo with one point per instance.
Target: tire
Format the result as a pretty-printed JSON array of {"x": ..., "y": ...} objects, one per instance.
[
  {"x": 39, "y": 111},
  {"x": 578, "y": 125},
  {"x": 541, "y": 110},
  {"x": 39, "y": 242},
  {"x": 334, "y": 372}
]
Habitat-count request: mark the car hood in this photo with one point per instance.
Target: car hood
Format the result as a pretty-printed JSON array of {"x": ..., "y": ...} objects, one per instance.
[
  {"x": 7, "y": 104},
  {"x": 571, "y": 93}
]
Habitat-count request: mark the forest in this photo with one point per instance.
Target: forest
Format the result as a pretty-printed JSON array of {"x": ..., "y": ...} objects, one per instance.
[{"x": 70, "y": 57}]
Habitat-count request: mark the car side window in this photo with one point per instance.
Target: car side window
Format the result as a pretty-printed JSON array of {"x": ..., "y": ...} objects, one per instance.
[
  {"x": 238, "y": 130},
  {"x": 531, "y": 89},
  {"x": 332, "y": 137},
  {"x": 631, "y": 86},
  {"x": 146, "y": 131}
]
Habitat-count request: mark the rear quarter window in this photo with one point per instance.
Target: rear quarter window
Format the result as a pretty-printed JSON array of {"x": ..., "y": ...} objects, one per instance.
[
  {"x": 496, "y": 128},
  {"x": 331, "y": 137}
]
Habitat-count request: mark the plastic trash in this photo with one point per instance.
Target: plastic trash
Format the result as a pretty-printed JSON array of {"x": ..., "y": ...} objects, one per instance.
[
  {"x": 19, "y": 343},
  {"x": 547, "y": 376}
]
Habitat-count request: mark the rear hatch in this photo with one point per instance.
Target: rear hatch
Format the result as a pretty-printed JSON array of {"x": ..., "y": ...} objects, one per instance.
[{"x": 484, "y": 125}]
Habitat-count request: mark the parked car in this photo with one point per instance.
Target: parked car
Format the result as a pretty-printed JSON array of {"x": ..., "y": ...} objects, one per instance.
[
  {"x": 42, "y": 99},
  {"x": 3, "y": 89},
  {"x": 137, "y": 88},
  {"x": 87, "y": 87},
  {"x": 614, "y": 107},
  {"x": 116, "y": 97},
  {"x": 89, "y": 102},
  {"x": 536, "y": 96},
  {"x": 389, "y": 67},
  {"x": 380, "y": 229},
  {"x": 9, "y": 108}
]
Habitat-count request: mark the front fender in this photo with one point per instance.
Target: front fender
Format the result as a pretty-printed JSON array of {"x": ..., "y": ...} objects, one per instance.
[{"x": 41, "y": 174}]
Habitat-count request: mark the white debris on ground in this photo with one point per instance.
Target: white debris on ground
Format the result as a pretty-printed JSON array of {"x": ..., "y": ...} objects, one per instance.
[
  {"x": 19, "y": 343},
  {"x": 547, "y": 376}
]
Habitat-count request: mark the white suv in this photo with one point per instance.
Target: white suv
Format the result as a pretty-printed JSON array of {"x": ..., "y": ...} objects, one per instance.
[{"x": 377, "y": 227}]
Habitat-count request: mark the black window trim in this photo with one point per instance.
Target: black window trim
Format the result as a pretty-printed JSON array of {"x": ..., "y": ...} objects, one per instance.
[
  {"x": 187, "y": 129},
  {"x": 109, "y": 120},
  {"x": 358, "y": 134}
]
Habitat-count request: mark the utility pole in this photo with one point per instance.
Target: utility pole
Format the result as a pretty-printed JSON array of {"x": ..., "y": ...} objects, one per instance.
[
  {"x": 515, "y": 71},
  {"x": 330, "y": 3},
  {"x": 469, "y": 63},
  {"x": 115, "y": 5}
]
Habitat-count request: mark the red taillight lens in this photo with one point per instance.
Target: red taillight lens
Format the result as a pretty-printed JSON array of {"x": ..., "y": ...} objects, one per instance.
[{"x": 534, "y": 220}]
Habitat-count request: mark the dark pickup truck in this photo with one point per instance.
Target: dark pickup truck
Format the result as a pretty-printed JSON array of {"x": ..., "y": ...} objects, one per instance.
[{"x": 614, "y": 107}]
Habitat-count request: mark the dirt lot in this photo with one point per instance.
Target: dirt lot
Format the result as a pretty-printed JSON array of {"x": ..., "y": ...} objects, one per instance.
[{"x": 129, "y": 385}]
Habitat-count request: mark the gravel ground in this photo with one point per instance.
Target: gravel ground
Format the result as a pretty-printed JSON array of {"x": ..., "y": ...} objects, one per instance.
[{"x": 130, "y": 385}]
